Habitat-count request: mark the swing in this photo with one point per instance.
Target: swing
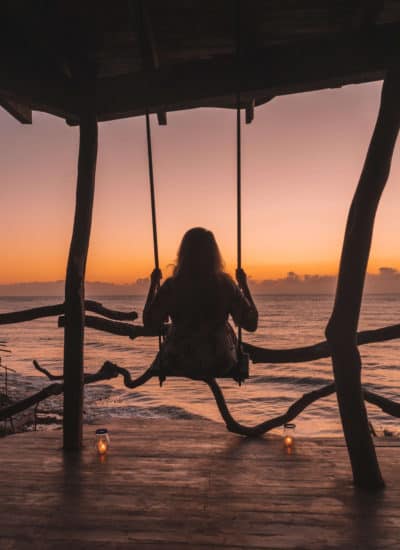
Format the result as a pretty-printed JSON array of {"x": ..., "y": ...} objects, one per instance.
[{"x": 240, "y": 371}]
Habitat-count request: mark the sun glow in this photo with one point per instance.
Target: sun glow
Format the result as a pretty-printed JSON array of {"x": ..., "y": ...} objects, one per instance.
[{"x": 299, "y": 175}]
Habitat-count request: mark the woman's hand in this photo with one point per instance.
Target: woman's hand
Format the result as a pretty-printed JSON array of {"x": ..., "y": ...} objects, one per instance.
[
  {"x": 241, "y": 278},
  {"x": 155, "y": 277}
]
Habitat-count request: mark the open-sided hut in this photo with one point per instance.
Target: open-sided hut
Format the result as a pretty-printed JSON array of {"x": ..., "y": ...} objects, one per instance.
[{"x": 93, "y": 61}]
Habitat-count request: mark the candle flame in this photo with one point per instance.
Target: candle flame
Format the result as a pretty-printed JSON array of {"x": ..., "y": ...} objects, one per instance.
[
  {"x": 102, "y": 447},
  {"x": 288, "y": 441}
]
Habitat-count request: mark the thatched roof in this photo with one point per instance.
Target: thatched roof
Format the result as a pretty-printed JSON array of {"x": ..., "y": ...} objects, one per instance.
[{"x": 178, "y": 54}]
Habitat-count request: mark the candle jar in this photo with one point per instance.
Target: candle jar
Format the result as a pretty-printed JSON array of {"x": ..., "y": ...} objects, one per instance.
[
  {"x": 288, "y": 435},
  {"x": 102, "y": 441}
]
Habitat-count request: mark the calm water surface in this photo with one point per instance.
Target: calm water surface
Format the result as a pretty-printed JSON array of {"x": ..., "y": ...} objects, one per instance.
[{"x": 285, "y": 321}]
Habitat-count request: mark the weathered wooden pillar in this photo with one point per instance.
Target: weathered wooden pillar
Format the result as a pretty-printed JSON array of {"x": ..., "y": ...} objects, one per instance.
[
  {"x": 75, "y": 278},
  {"x": 342, "y": 327}
]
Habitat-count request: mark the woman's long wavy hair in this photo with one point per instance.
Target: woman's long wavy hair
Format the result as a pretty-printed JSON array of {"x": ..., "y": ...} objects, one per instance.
[{"x": 198, "y": 256}]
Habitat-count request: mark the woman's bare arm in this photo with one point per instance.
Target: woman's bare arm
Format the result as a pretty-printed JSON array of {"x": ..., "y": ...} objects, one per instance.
[
  {"x": 243, "y": 310},
  {"x": 148, "y": 311}
]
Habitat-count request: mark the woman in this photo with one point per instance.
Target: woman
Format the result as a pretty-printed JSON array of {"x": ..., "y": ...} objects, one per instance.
[{"x": 198, "y": 298}]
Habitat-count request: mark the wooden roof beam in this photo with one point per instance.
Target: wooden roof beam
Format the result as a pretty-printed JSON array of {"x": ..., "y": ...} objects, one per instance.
[
  {"x": 297, "y": 67},
  {"x": 144, "y": 29},
  {"x": 20, "y": 111},
  {"x": 56, "y": 96},
  {"x": 347, "y": 58},
  {"x": 367, "y": 14}
]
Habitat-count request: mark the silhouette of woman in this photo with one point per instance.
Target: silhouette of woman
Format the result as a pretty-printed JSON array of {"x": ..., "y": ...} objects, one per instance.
[{"x": 198, "y": 298}]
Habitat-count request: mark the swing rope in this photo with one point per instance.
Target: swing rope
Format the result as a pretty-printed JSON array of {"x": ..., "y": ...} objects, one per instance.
[
  {"x": 153, "y": 215},
  {"x": 242, "y": 367},
  {"x": 140, "y": 17},
  {"x": 152, "y": 193},
  {"x": 239, "y": 199},
  {"x": 238, "y": 155}
]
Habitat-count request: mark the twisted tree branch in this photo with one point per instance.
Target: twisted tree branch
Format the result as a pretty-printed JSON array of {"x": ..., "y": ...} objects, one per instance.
[
  {"x": 257, "y": 354},
  {"x": 253, "y": 431},
  {"x": 47, "y": 373},
  {"x": 317, "y": 351},
  {"x": 386, "y": 405},
  {"x": 106, "y": 372},
  {"x": 111, "y": 370},
  {"x": 97, "y": 307},
  {"x": 58, "y": 309},
  {"x": 113, "y": 327}
]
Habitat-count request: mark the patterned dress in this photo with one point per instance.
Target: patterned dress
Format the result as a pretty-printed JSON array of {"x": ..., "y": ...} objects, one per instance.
[{"x": 200, "y": 341}]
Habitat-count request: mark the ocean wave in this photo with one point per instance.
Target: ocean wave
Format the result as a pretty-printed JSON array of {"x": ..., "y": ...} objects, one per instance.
[
  {"x": 159, "y": 411},
  {"x": 275, "y": 400},
  {"x": 374, "y": 367},
  {"x": 290, "y": 379},
  {"x": 382, "y": 389}
]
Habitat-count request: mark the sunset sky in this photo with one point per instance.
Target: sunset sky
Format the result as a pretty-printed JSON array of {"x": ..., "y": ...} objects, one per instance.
[{"x": 302, "y": 156}]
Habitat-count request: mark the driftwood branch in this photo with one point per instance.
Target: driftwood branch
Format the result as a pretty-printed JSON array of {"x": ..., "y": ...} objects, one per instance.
[
  {"x": 96, "y": 307},
  {"x": 113, "y": 327},
  {"x": 58, "y": 309},
  {"x": 294, "y": 410},
  {"x": 110, "y": 370},
  {"x": 386, "y": 405},
  {"x": 19, "y": 406},
  {"x": 47, "y": 373},
  {"x": 106, "y": 372},
  {"x": 257, "y": 354},
  {"x": 316, "y": 351},
  {"x": 341, "y": 331}
]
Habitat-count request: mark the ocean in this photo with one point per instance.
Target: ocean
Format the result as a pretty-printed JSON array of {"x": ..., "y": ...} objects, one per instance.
[{"x": 285, "y": 322}]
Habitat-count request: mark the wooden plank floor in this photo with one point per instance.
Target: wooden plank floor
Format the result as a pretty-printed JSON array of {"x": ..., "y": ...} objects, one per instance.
[{"x": 190, "y": 484}]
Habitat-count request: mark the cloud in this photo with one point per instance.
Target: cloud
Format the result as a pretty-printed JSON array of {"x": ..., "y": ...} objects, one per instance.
[
  {"x": 386, "y": 281},
  {"x": 92, "y": 288},
  {"x": 389, "y": 272},
  {"x": 295, "y": 284}
]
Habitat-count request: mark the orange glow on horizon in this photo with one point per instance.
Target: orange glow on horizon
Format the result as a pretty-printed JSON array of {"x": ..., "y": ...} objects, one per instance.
[
  {"x": 119, "y": 272},
  {"x": 302, "y": 157}
]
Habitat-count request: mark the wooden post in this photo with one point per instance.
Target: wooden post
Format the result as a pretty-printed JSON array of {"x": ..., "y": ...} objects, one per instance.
[
  {"x": 75, "y": 278},
  {"x": 342, "y": 327}
]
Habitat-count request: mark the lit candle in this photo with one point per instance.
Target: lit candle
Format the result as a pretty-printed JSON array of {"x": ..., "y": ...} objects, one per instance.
[
  {"x": 102, "y": 441},
  {"x": 102, "y": 447},
  {"x": 288, "y": 437},
  {"x": 288, "y": 441}
]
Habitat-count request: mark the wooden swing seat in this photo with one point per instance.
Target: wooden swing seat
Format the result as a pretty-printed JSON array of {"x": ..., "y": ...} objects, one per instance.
[{"x": 239, "y": 372}]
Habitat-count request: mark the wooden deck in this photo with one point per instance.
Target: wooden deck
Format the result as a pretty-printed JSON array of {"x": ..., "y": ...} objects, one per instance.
[{"x": 190, "y": 484}]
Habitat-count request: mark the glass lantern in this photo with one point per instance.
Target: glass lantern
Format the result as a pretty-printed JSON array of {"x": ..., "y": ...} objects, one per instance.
[
  {"x": 102, "y": 441},
  {"x": 288, "y": 436}
]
